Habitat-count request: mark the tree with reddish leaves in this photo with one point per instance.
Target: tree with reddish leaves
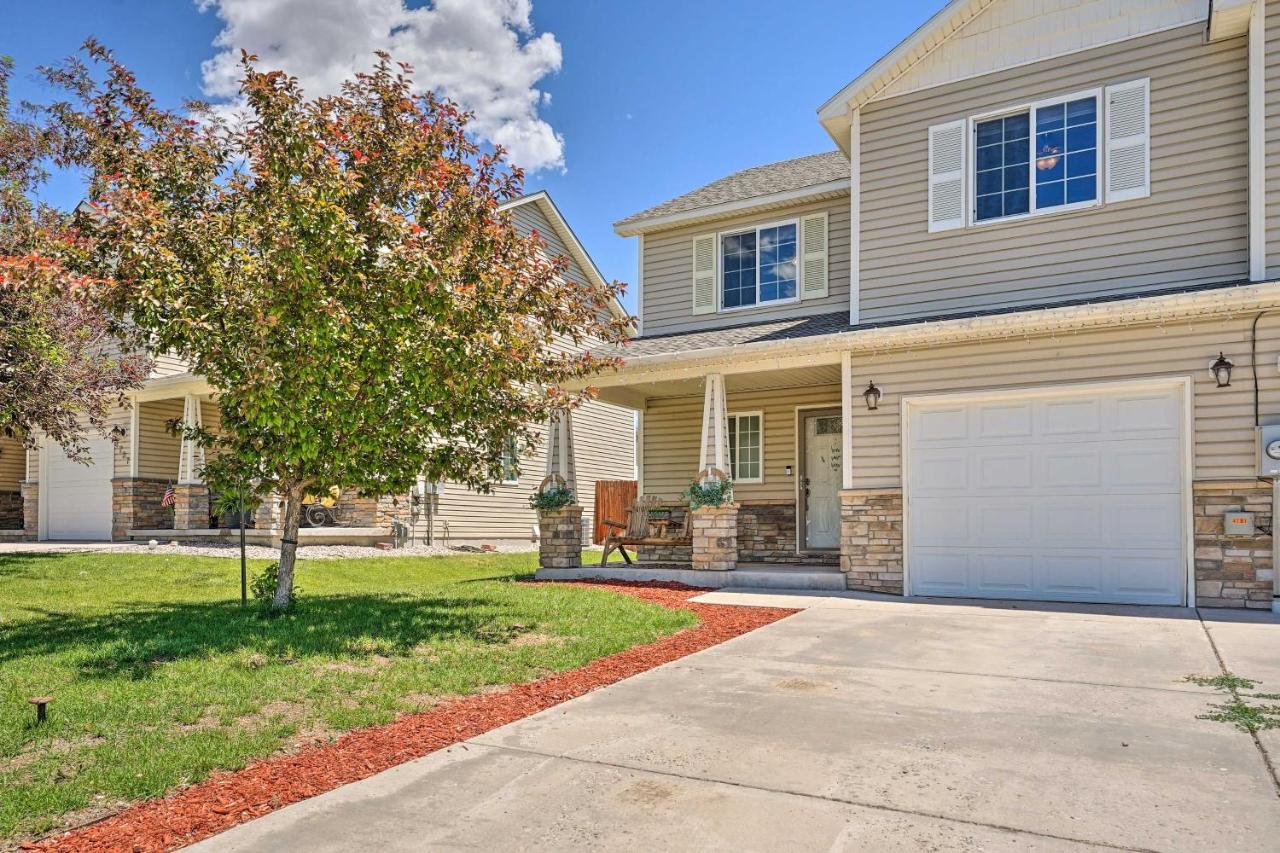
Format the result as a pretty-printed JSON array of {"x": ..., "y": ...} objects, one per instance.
[
  {"x": 340, "y": 269},
  {"x": 64, "y": 364}
]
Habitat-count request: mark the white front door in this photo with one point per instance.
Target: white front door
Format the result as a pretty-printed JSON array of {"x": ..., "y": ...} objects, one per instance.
[
  {"x": 820, "y": 488},
  {"x": 76, "y": 498},
  {"x": 1074, "y": 494}
]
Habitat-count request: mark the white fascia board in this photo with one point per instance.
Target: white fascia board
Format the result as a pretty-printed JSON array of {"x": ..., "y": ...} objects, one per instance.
[
  {"x": 1229, "y": 18},
  {"x": 177, "y": 385},
  {"x": 542, "y": 199},
  {"x": 729, "y": 208},
  {"x": 823, "y": 349}
]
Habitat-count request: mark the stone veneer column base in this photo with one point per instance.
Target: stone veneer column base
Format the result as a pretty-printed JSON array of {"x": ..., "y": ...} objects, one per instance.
[
  {"x": 871, "y": 540},
  {"x": 135, "y": 504},
  {"x": 560, "y": 538},
  {"x": 268, "y": 514},
  {"x": 190, "y": 506},
  {"x": 715, "y": 538},
  {"x": 1232, "y": 571},
  {"x": 30, "y": 490}
]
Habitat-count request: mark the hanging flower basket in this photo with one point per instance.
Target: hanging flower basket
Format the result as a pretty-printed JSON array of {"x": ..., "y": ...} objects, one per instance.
[
  {"x": 552, "y": 493},
  {"x": 712, "y": 487}
]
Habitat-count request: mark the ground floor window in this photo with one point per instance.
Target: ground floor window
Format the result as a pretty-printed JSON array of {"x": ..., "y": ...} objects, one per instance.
[
  {"x": 510, "y": 461},
  {"x": 745, "y": 447}
]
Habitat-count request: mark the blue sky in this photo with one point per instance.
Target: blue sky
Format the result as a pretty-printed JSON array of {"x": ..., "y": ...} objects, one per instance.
[{"x": 649, "y": 99}]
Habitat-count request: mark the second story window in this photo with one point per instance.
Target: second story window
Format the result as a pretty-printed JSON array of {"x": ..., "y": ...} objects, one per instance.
[
  {"x": 758, "y": 266},
  {"x": 1041, "y": 158}
]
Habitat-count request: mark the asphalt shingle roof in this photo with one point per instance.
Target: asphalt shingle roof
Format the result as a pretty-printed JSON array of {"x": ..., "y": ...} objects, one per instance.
[
  {"x": 767, "y": 330},
  {"x": 772, "y": 178}
]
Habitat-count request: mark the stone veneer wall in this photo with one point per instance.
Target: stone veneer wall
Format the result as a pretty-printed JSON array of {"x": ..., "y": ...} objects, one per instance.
[
  {"x": 191, "y": 506},
  {"x": 11, "y": 511},
  {"x": 560, "y": 538},
  {"x": 871, "y": 540},
  {"x": 30, "y": 508},
  {"x": 135, "y": 504},
  {"x": 360, "y": 511},
  {"x": 1232, "y": 571},
  {"x": 715, "y": 538}
]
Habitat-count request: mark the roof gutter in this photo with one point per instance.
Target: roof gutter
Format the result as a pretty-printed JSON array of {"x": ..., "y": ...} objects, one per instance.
[{"x": 1195, "y": 305}]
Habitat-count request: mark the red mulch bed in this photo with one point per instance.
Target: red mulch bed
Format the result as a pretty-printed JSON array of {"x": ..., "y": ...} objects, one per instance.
[{"x": 230, "y": 798}]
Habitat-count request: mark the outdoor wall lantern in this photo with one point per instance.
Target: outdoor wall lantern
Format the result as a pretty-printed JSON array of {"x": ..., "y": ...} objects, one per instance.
[
  {"x": 1222, "y": 371},
  {"x": 872, "y": 396}
]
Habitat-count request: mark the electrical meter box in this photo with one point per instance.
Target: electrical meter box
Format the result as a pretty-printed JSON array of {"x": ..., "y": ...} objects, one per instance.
[{"x": 1269, "y": 450}]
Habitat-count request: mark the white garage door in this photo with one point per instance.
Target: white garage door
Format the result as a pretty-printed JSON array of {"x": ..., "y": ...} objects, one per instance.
[
  {"x": 77, "y": 497},
  {"x": 1056, "y": 495}
]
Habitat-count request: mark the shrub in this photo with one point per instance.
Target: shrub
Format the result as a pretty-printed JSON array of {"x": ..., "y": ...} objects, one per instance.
[
  {"x": 709, "y": 492},
  {"x": 555, "y": 497},
  {"x": 263, "y": 586}
]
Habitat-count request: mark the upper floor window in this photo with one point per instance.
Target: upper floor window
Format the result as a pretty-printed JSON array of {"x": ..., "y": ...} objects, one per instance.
[
  {"x": 758, "y": 266},
  {"x": 1041, "y": 158}
]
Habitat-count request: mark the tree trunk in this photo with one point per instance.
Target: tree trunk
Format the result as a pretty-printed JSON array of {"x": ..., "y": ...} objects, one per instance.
[{"x": 288, "y": 547}]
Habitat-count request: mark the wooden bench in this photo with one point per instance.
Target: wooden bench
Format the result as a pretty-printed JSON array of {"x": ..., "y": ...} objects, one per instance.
[{"x": 638, "y": 530}]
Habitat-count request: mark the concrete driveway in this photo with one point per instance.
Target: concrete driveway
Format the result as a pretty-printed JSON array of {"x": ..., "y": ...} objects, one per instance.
[{"x": 858, "y": 724}]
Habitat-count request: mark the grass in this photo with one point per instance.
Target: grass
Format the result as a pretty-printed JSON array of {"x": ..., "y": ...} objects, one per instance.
[{"x": 159, "y": 676}]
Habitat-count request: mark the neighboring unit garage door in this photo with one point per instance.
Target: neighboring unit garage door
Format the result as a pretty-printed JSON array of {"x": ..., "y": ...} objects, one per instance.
[
  {"x": 1061, "y": 495},
  {"x": 76, "y": 497}
]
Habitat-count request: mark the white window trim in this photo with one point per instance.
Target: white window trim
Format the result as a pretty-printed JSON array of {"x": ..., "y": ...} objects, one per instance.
[
  {"x": 758, "y": 413},
  {"x": 516, "y": 481},
  {"x": 971, "y": 162},
  {"x": 720, "y": 266}
]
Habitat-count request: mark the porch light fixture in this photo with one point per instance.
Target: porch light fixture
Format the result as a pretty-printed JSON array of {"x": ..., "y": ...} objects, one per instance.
[
  {"x": 1222, "y": 371},
  {"x": 872, "y": 396}
]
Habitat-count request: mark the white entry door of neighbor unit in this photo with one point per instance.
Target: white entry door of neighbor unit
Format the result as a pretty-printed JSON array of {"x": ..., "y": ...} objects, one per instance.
[
  {"x": 76, "y": 498},
  {"x": 821, "y": 486},
  {"x": 1057, "y": 494}
]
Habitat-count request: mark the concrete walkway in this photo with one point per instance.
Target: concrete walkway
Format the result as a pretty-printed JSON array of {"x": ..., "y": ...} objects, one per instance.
[{"x": 858, "y": 724}]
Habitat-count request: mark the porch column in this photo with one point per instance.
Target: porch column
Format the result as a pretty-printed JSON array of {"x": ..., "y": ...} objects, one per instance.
[
  {"x": 846, "y": 419},
  {"x": 715, "y": 427},
  {"x": 190, "y": 495},
  {"x": 560, "y": 455}
]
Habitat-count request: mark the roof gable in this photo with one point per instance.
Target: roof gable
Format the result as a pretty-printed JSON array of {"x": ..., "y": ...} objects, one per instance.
[{"x": 969, "y": 38}]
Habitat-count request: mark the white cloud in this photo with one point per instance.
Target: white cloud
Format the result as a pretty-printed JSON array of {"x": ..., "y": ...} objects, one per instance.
[{"x": 482, "y": 53}]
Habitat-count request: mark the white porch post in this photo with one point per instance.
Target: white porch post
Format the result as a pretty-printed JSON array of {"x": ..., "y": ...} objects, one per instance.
[
  {"x": 846, "y": 419},
  {"x": 190, "y": 496},
  {"x": 191, "y": 456},
  {"x": 715, "y": 426},
  {"x": 560, "y": 455}
]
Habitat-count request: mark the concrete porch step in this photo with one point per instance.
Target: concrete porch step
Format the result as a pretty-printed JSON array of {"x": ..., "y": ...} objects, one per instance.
[{"x": 786, "y": 577}]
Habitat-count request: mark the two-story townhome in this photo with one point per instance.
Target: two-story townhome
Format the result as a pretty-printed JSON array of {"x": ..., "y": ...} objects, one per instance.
[
  {"x": 970, "y": 352},
  {"x": 122, "y": 495}
]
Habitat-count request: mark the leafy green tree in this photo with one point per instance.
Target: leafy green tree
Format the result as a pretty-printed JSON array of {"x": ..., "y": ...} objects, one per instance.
[
  {"x": 340, "y": 269},
  {"x": 63, "y": 365}
]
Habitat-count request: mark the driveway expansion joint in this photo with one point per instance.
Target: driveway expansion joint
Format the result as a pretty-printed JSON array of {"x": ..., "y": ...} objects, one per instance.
[
  {"x": 1257, "y": 741},
  {"x": 805, "y": 795}
]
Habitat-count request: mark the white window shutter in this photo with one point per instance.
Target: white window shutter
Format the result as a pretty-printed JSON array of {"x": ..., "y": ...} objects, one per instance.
[
  {"x": 946, "y": 176},
  {"x": 1128, "y": 168},
  {"x": 704, "y": 274},
  {"x": 813, "y": 256}
]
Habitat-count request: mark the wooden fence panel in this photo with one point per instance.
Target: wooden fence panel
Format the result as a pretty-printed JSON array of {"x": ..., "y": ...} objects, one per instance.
[{"x": 613, "y": 499}]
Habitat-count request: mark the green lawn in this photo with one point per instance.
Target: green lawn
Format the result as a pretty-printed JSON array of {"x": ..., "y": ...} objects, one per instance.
[{"x": 160, "y": 676}]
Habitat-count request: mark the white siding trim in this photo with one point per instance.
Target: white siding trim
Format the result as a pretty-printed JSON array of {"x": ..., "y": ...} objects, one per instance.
[
  {"x": 134, "y": 423},
  {"x": 855, "y": 210},
  {"x": 1258, "y": 142},
  {"x": 846, "y": 415},
  {"x": 728, "y": 208},
  {"x": 640, "y": 285}
]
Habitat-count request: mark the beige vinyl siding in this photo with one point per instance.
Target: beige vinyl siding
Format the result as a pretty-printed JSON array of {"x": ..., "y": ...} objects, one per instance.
[
  {"x": 1272, "y": 146},
  {"x": 13, "y": 464},
  {"x": 604, "y": 448},
  {"x": 1192, "y": 229},
  {"x": 668, "y": 272},
  {"x": 528, "y": 218},
  {"x": 1223, "y": 417},
  {"x": 158, "y": 450},
  {"x": 672, "y": 425},
  {"x": 168, "y": 365}
]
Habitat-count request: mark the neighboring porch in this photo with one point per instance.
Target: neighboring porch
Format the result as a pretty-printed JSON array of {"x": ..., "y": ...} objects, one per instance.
[
  {"x": 780, "y": 433},
  {"x": 159, "y": 490}
]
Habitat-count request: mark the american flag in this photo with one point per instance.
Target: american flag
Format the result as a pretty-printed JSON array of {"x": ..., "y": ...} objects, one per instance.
[{"x": 168, "y": 498}]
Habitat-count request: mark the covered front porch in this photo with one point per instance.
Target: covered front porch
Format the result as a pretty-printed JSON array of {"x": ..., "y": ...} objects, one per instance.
[
  {"x": 779, "y": 430},
  {"x": 160, "y": 492}
]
